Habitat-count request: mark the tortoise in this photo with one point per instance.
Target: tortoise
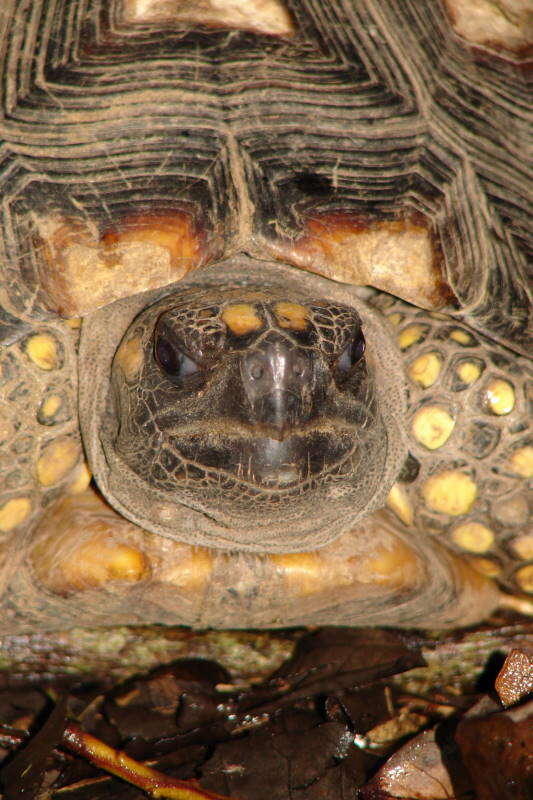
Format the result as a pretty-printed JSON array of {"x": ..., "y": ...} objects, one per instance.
[{"x": 281, "y": 247}]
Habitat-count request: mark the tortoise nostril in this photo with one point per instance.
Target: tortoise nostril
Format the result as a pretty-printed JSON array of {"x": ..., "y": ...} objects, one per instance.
[{"x": 256, "y": 371}]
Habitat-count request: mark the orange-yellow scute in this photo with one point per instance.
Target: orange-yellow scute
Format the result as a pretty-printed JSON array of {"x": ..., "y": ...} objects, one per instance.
[
  {"x": 362, "y": 250},
  {"x": 241, "y": 319},
  {"x": 83, "y": 270}
]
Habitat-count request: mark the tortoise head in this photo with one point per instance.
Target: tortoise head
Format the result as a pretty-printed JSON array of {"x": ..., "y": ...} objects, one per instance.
[{"x": 246, "y": 416}]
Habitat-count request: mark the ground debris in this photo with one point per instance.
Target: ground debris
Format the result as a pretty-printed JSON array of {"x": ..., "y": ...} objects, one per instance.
[{"x": 330, "y": 722}]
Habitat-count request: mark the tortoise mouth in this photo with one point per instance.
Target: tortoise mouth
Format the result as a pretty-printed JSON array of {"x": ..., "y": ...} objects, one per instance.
[{"x": 261, "y": 461}]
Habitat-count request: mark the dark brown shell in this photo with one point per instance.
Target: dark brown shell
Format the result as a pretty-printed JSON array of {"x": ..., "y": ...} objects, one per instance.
[{"x": 372, "y": 113}]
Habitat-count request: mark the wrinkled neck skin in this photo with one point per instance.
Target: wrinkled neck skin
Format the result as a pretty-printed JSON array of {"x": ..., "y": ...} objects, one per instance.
[{"x": 204, "y": 493}]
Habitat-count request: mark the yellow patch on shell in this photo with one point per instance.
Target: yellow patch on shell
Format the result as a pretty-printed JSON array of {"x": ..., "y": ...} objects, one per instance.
[
  {"x": 524, "y": 578},
  {"x": 293, "y": 316},
  {"x": 461, "y": 337},
  {"x": 468, "y": 372},
  {"x": 56, "y": 460},
  {"x": 50, "y": 406},
  {"x": 522, "y": 546},
  {"x": 191, "y": 572},
  {"x": 129, "y": 357},
  {"x": 474, "y": 537},
  {"x": 486, "y": 566},
  {"x": 42, "y": 349},
  {"x": 74, "y": 323},
  {"x": 521, "y": 462},
  {"x": 410, "y": 335},
  {"x": 241, "y": 319},
  {"x": 80, "y": 479},
  {"x": 450, "y": 492},
  {"x": 396, "y": 566},
  {"x": 426, "y": 369},
  {"x": 14, "y": 512},
  {"x": 398, "y": 501},
  {"x": 499, "y": 397},
  {"x": 100, "y": 560},
  {"x": 302, "y": 571},
  {"x": 432, "y": 426}
]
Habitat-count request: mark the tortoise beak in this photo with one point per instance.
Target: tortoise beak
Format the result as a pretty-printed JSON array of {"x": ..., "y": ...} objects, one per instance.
[{"x": 277, "y": 377}]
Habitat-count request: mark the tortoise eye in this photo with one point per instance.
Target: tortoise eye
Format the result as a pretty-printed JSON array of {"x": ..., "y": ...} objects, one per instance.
[
  {"x": 352, "y": 354},
  {"x": 172, "y": 360}
]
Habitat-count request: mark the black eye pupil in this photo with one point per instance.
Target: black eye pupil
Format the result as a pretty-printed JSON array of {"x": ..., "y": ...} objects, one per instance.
[{"x": 167, "y": 356}]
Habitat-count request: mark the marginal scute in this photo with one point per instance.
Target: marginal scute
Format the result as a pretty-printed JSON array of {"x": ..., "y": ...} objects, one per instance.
[
  {"x": 524, "y": 578},
  {"x": 191, "y": 572},
  {"x": 83, "y": 270},
  {"x": 398, "y": 256},
  {"x": 80, "y": 545},
  {"x": 486, "y": 566},
  {"x": 56, "y": 460},
  {"x": 432, "y": 426},
  {"x": 473, "y": 536},
  {"x": 426, "y": 369},
  {"x": 14, "y": 512},
  {"x": 450, "y": 492}
]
